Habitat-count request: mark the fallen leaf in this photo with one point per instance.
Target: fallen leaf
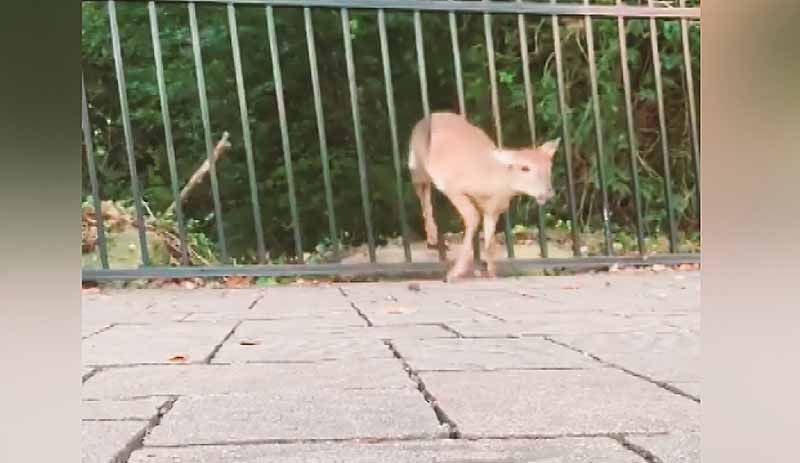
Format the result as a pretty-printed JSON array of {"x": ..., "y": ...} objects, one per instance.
[
  {"x": 238, "y": 281},
  {"x": 178, "y": 358}
]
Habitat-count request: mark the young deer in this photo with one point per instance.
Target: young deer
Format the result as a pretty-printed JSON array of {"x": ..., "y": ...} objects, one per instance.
[{"x": 462, "y": 162}]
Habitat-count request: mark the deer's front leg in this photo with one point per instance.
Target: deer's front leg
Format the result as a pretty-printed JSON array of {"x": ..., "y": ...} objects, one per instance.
[
  {"x": 471, "y": 217},
  {"x": 489, "y": 225}
]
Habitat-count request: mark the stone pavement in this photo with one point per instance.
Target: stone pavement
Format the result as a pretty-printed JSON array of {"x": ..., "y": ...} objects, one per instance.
[{"x": 586, "y": 368}]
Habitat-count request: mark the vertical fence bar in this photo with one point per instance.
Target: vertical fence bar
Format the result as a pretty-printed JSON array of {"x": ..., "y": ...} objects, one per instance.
[
  {"x": 487, "y": 30},
  {"x": 562, "y": 103},
  {"x": 98, "y": 207},
  {"x": 246, "y": 137},
  {"x": 201, "y": 90},
  {"x": 451, "y": 16},
  {"x": 168, "y": 139},
  {"x": 687, "y": 64},
  {"x": 462, "y": 107},
  {"x": 598, "y": 126},
  {"x": 128, "y": 132},
  {"x": 323, "y": 143},
  {"x": 634, "y": 147},
  {"x": 362, "y": 163},
  {"x": 526, "y": 77},
  {"x": 287, "y": 150},
  {"x": 423, "y": 75},
  {"x": 387, "y": 77},
  {"x": 662, "y": 124},
  {"x": 426, "y": 108}
]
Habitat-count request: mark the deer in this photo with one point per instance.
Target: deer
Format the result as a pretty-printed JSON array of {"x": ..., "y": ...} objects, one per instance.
[{"x": 479, "y": 179}]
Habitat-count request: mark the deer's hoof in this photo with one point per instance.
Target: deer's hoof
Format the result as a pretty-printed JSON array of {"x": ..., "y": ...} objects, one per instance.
[{"x": 456, "y": 274}]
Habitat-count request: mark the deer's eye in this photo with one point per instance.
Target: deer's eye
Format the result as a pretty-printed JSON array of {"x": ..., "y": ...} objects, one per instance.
[{"x": 525, "y": 169}]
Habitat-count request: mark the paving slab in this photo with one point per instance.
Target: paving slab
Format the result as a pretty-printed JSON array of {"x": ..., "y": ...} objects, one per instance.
[
  {"x": 292, "y": 414},
  {"x": 417, "y": 331},
  {"x": 252, "y": 343},
  {"x": 107, "y": 300},
  {"x": 287, "y": 300},
  {"x": 153, "y": 344},
  {"x": 219, "y": 379},
  {"x": 142, "y": 409},
  {"x": 565, "y": 450},
  {"x": 585, "y": 323},
  {"x": 484, "y": 329},
  {"x": 662, "y": 356},
  {"x": 549, "y": 324},
  {"x": 556, "y": 402},
  {"x": 202, "y": 300},
  {"x": 346, "y": 315},
  {"x": 366, "y": 293},
  {"x": 257, "y": 330},
  {"x": 103, "y": 441},
  {"x": 488, "y": 300},
  {"x": 488, "y": 354},
  {"x": 678, "y": 447},
  {"x": 393, "y": 313}
]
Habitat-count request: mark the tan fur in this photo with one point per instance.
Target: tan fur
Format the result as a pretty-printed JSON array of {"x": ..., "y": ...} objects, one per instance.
[{"x": 459, "y": 159}]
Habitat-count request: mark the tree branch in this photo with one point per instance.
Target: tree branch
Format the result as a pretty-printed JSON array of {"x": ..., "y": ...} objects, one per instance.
[{"x": 198, "y": 175}]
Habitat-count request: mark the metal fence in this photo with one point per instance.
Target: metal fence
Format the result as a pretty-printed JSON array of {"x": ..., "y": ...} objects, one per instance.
[{"x": 586, "y": 11}]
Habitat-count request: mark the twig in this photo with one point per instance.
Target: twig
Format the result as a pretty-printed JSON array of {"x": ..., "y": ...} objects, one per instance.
[
  {"x": 647, "y": 166},
  {"x": 149, "y": 211},
  {"x": 202, "y": 171}
]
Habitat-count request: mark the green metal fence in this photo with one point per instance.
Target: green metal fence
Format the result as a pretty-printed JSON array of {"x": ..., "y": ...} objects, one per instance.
[{"x": 652, "y": 11}]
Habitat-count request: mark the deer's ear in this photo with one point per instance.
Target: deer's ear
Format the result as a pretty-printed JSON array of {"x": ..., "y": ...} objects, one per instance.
[
  {"x": 550, "y": 147},
  {"x": 504, "y": 157}
]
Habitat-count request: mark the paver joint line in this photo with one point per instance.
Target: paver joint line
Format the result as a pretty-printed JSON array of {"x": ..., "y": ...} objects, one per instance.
[
  {"x": 447, "y": 328},
  {"x": 138, "y": 441},
  {"x": 361, "y": 314},
  {"x": 216, "y": 349},
  {"x": 620, "y": 438},
  {"x": 95, "y": 333},
  {"x": 91, "y": 373},
  {"x": 255, "y": 301},
  {"x": 661, "y": 384},
  {"x": 639, "y": 450},
  {"x": 478, "y": 311},
  {"x": 443, "y": 418}
]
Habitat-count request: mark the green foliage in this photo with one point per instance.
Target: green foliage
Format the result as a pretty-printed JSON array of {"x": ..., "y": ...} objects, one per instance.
[{"x": 187, "y": 129}]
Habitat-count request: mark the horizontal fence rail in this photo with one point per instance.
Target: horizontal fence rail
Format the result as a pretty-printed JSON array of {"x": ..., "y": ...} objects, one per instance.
[
  {"x": 473, "y": 7},
  {"x": 567, "y": 120}
]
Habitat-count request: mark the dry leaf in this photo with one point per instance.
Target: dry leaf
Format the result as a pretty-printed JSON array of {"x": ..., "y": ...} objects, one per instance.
[{"x": 238, "y": 281}]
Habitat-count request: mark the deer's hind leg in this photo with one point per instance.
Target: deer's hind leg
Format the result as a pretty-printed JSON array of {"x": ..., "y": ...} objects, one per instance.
[
  {"x": 424, "y": 192},
  {"x": 472, "y": 219}
]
